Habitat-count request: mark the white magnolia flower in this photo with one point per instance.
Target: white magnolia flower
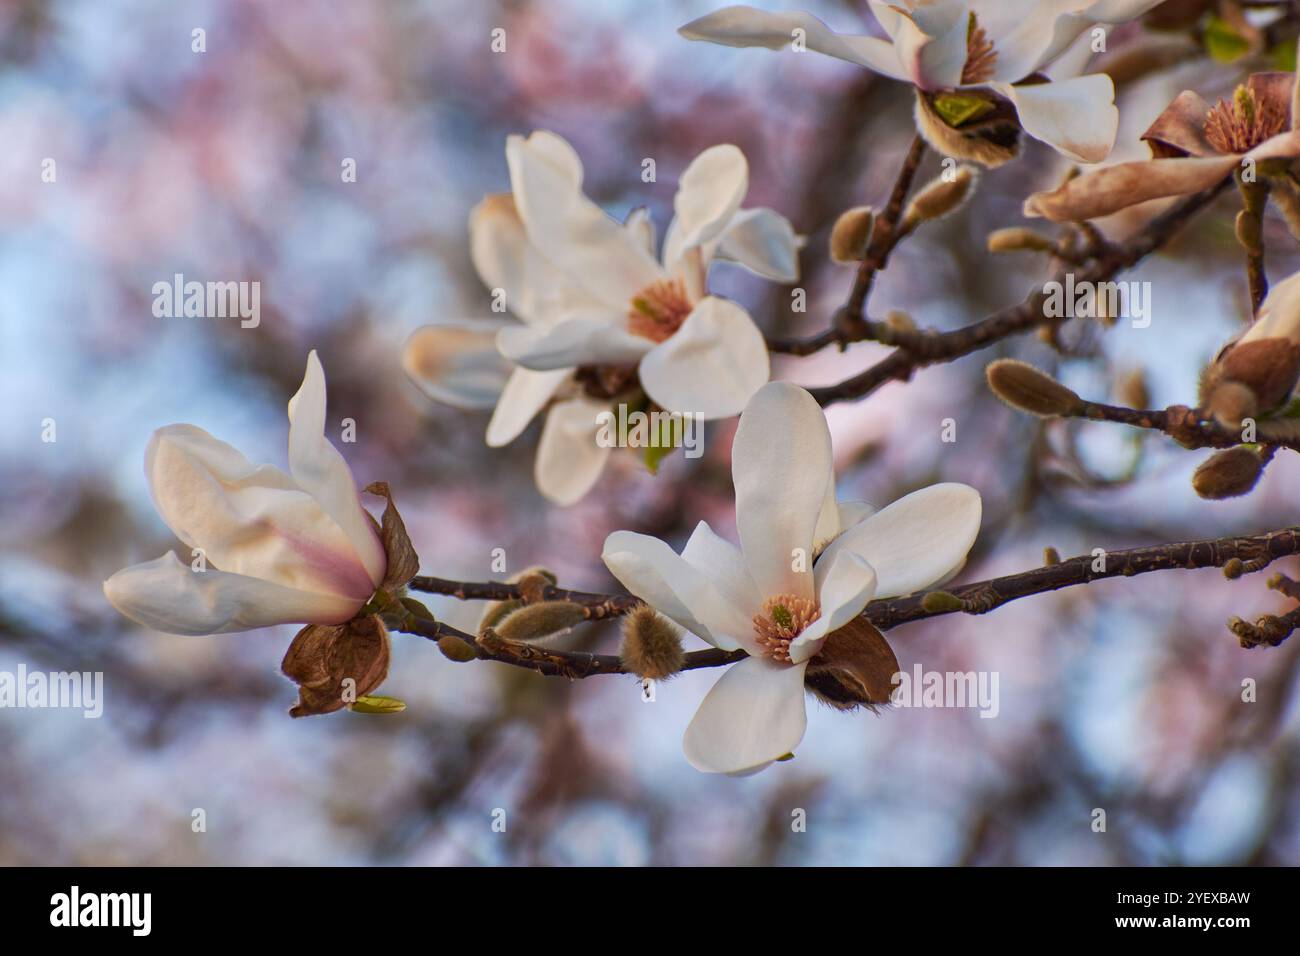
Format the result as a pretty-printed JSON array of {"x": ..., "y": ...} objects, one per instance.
[
  {"x": 1002, "y": 46},
  {"x": 290, "y": 548},
  {"x": 599, "y": 312},
  {"x": 805, "y": 567}
]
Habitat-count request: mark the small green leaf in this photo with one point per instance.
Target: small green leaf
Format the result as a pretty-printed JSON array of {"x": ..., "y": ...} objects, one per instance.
[
  {"x": 958, "y": 108},
  {"x": 784, "y": 757},
  {"x": 1223, "y": 42},
  {"x": 1283, "y": 57},
  {"x": 378, "y": 704},
  {"x": 660, "y": 448}
]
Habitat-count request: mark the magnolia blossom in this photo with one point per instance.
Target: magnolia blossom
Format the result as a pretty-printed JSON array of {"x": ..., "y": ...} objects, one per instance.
[
  {"x": 1001, "y": 47},
  {"x": 1193, "y": 145},
  {"x": 290, "y": 548},
  {"x": 806, "y": 566},
  {"x": 599, "y": 313}
]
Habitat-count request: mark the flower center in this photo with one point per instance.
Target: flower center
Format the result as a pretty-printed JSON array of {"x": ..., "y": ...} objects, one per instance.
[
  {"x": 981, "y": 58},
  {"x": 784, "y": 618},
  {"x": 1244, "y": 123},
  {"x": 659, "y": 310},
  {"x": 605, "y": 381}
]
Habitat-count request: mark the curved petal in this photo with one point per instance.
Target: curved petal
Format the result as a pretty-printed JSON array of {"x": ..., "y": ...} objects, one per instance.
[
  {"x": 711, "y": 366},
  {"x": 168, "y": 596},
  {"x": 250, "y": 520},
  {"x": 781, "y": 465},
  {"x": 844, "y": 586},
  {"x": 320, "y": 470},
  {"x": 722, "y": 562},
  {"x": 569, "y": 459},
  {"x": 931, "y": 43},
  {"x": 535, "y": 289},
  {"x": 1279, "y": 313},
  {"x": 1117, "y": 187},
  {"x": 1076, "y": 117},
  {"x": 526, "y": 393},
  {"x": 457, "y": 363},
  {"x": 596, "y": 252},
  {"x": 753, "y": 715},
  {"x": 917, "y": 540},
  {"x": 709, "y": 194},
  {"x": 586, "y": 341},
  {"x": 663, "y": 579},
  {"x": 745, "y": 26},
  {"x": 763, "y": 241}
]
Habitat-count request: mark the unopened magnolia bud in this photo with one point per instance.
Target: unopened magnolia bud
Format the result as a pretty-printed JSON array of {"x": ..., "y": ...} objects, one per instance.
[
  {"x": 942, "y": 602},
  {"x": 1250, "y": 232},
  {"x": 496, "y": 613},
  {"x": 1131, "y": 389},
  {"x": 532, "y": 583},
  {"x": 851, "y": 233},
  {"x": 939, "y": 197},
  {"x": 534, "y": 622},
  {"x": 897, "y": 321},
  {"x": 455, "y": 649},
  {"x": 1230, "y": 403},
  {"x": 1234, "y": 568},
  {"x": 1051, "y": 556},
  {"x": 1016, "y": 238},
  {"x": 1022, "y": 386},
  {"x": 1228, "y": 473},
  {"x": 652, "y": 644},
  {"x": 1287, "y": 201}
]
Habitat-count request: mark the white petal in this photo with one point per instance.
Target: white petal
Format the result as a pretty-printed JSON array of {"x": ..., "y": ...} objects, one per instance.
[
  {"x": 1076, "y": 117},
  {"x": 167, "y": 595},
  {"x": 781, "y": 464},
  {"x": 753, "y": 715},
  {"x": 526, "y": 393},
  {"x": 844, "y": 586},
  {"x": 457, "y": 363},
  {"x": 917, "y": 540},
  {"x": 319, "y": 469},
  {"x": 1279, "y": 313},
  {"x": 575, "y": 233},
  {"x": 657, "y": 575},
  {"x": 535, "y": 289},
  {"x": 721, "y": 561},
  {"x": 250, "y": 520},
  {"x": 569, "y": 460},
  {"x": 711, "y": 366},
  {"x": 931, "y": 43},
  {"x": 709, "y": 194},
  {"x": 642, "y": 228},
  {"x": 580, "y": 341},
  {"x": 764, "y": 242},
  {"x": 745, "y": 26},
  {"x": 851, "y": 512}
]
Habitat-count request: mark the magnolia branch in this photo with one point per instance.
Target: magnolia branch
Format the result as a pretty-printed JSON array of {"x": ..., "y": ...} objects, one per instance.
[
  {"x": 919, "y": 348},
  {"x": 1236, "y": 555}
]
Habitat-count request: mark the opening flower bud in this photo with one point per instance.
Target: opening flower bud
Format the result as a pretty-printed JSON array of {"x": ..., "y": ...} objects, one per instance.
[{"x": 1022, "y": 386}]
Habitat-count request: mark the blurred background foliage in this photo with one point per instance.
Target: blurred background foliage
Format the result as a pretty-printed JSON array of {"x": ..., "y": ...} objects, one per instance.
[{"x": 1124, "y": 695}]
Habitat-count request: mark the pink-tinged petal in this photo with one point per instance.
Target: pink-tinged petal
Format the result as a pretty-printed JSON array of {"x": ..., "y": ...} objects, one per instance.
[
  {"x": 764, "y": 242},
  {"x": 711, "y": 366},
  {"x": 709, "y": 194},
  {"x": 781, "y": 464},
  {"x": 1113, "y": 188},
  {"x": 721, "y": 561},
  {"x": 320, "y": 470},
  {"x": 844, "y": 586},
  {"x": 745, "y": 26},
  {"x": 249, "y": 520},
  {"x": 168, "y": 596},
  {"x": 569, "y": 459},
  {"x": 457, "y": 363},
  {"x": 663, "y": 579},
  {"x": 526, "y": 393},
  {"x": 1075, "y": 117},
  {"x": 931, "y": 43},
  {"x": 592, "y": 249},
  {"x": 753, "y": 715},
  {"x": 574, "y": 342},
  {"x": 916, "y": 541}
]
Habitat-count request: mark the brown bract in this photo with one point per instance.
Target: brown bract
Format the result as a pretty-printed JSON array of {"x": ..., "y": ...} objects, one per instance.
[
  {"x": 1193, "y": 145},
  {"x": 334, "y": 665},
  {"x": 403, "y": 562},
  {"x": 855, "y": 668}
]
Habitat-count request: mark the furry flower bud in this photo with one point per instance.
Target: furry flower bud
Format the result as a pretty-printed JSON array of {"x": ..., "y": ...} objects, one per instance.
[
  {"x": 851, "y": 233},
  {"x": 1228, "y": 473},
  {"x": 652, "y": 644},
  {"x": 1022, "y": 386}
]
